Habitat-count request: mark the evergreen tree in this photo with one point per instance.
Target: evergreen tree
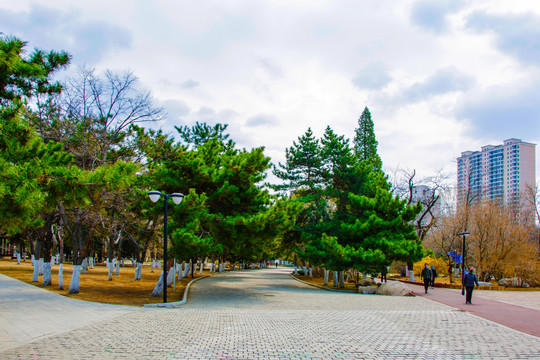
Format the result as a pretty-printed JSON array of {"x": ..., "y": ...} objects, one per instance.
[
  {"x": 365, "y": 144},
  {"x": 302, "y": 171}
]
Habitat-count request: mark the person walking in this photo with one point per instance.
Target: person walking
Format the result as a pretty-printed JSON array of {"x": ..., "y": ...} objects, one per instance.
[
  {"x": 384, "y": 272},
  {"x": 433, "y": 276},
  {"x": 426, "y": 276},
  {"x": 469, "y": 279}
]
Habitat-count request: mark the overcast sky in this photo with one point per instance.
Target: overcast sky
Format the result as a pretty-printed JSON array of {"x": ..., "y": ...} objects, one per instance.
[{"x": 439, "y": 77}]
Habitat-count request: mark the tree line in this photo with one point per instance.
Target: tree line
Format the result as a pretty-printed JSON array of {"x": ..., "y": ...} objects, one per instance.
[{"x": 77, "y": 162}]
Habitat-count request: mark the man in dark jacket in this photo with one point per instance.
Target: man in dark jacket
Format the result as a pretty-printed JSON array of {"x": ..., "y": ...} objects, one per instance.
[
  {"x": 426, "y": 275},
  {"x": 469, "y": 279}
]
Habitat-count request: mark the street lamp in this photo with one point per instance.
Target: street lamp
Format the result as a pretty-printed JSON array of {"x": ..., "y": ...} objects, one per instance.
[
  {"x": 177, "y": 199},
  {"x": 464, "y": 234}
]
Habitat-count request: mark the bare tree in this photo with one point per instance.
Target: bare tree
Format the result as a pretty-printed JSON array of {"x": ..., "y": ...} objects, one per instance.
[
  {"x": 427, "y": 191},
  {"x": 532, "y": 201}
]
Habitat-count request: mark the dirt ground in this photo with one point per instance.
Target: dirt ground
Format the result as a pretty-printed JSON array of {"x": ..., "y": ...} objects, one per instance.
[{"x": 95, "y": 286}]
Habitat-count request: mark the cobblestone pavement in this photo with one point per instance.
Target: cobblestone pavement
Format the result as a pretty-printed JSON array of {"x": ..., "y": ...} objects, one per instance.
[
  {"x": 28, "y": 312},
  {"x": 267, "y": 315}
]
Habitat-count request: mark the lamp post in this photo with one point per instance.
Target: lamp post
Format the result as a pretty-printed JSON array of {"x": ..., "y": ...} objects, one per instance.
[
  {"x": 464, "y": 234},
  {"x": 177, "y": 199}
]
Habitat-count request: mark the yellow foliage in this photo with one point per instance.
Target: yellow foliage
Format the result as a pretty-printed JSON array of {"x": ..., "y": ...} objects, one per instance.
[{"x": 440, "y": 265}]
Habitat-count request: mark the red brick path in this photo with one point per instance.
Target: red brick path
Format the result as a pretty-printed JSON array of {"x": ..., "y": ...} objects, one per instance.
[{"x": 516, "y": 317}]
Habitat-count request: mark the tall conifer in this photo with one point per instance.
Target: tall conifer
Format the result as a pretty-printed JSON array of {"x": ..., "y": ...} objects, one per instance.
[{"x": 365, "y": 144}]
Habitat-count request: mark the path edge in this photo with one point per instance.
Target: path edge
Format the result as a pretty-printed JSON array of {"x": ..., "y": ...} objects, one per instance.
[{"x": 176, "y": 303}]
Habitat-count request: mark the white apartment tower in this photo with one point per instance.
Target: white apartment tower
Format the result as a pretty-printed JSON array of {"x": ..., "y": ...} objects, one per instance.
[{"x": 500, "y": 172}]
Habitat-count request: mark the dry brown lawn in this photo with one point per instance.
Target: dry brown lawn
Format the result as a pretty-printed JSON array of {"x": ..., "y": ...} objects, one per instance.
[
  {"x": 320, "y": 281},
  {"x": 95, "y": 286}
]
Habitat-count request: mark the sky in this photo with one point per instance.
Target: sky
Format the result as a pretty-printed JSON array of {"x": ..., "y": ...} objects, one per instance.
[{"x": 439, "y": 77}]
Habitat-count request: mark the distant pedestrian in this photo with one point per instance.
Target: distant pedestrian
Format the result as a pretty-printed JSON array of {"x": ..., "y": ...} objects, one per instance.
[
  {"x": 469, "y": 279},
  {"x": 384, "y": 271},
  {"x": 277, "y": 262},
  {"x": 426, "y": 276},
  {"x": 433, "y": 276}
]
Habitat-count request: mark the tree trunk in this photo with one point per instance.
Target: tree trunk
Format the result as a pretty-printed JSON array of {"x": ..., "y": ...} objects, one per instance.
[
  {"x": 47, "y": 274},
  {"x": 335, "y": 284},
  {"x": 75, "y": 280},
  {"x": 342, "y": 279},
  {"x": 40, "y": 266},
  {"x": 35, "y": 275},
  {"x": 61, "y": 277},
  {"x": 326, "y": 273},
  {"x": 170, "y": 277},
  {"x": 110, "y": 269},
  {"x": 410, "y": 266},
  {"x": 158, "y": 290}
]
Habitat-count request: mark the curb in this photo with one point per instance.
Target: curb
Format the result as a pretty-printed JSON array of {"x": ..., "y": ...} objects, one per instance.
[
  {"x": 322, "y": 287},
  {"x": 176, "y": 303}
]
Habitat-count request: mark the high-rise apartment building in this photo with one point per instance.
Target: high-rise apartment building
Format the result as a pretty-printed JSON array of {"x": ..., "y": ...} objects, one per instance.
[{"x": 497, "y": 172}]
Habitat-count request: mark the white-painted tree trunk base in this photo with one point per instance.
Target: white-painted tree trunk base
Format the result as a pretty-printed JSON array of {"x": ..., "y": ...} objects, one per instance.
[
  {"x": 311, "y": 273},
  {"x": 411, "y": 274},
  {"x": 201, "y": 268},
  {"x": 47, "y": 274},
  {"x": 335, "y": 284},
  {"x": 170, "y": 277},
  {"x": 110, "y": 268},
  {"x": 32, "y": 259},
  {"x": 158, "y": 290},
  {"x": 35, "y": 275},
  {"x": 138, "y": 271},
  {"x": 61, "y": 277},
  {"x": 152, "y": 265},
  {"x": 186, "y": 269},
  {"x": 326, "y": 275},
  {"x": 295, "y": 270},
  {"x": 75, "y": 280},
  {"x": 117, "y": 267},
  {"x": 83, "y": 266},
  {"x": 40, "y": 267},
  {"x": 180, "y": 271},
  {"x": 211, "y": 268},
  {"x": 18, "y": 259},
  {"x": 159, "y": 264}
]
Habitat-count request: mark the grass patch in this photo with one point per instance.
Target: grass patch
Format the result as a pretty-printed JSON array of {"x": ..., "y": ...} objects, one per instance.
[{"x": 95, "y": 286}]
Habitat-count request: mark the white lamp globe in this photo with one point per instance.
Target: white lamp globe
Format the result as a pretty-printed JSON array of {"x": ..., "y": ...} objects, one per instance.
[
  {"x": 177, "y": 198},
  {"x": 154, "y": 195}
]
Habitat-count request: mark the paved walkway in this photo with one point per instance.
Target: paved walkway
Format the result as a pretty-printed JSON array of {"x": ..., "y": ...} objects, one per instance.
[
  {"x": 516, "y": 310},
  {"x": 28, "y": 312},
  {"x": 265, "y": 314}
]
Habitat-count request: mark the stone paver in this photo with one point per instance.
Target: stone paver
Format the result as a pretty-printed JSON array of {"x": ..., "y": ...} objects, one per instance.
[
  {"x": 28, "y": 312},
  {"x": 267, "y": 315}
]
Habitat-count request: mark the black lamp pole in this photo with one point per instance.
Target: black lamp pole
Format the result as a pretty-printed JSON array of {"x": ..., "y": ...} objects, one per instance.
[
  {"x": 177, "y": 198},
  {"x": 464, "y": 234}
]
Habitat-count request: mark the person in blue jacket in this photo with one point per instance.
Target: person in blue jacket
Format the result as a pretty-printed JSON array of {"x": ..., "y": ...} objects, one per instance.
[{"x": 469, "y": 279}]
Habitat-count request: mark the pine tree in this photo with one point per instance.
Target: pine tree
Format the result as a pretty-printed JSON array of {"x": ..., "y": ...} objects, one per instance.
[
  {"x": 365, "y": 144},
  {"x": 302, "y": 170}
]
